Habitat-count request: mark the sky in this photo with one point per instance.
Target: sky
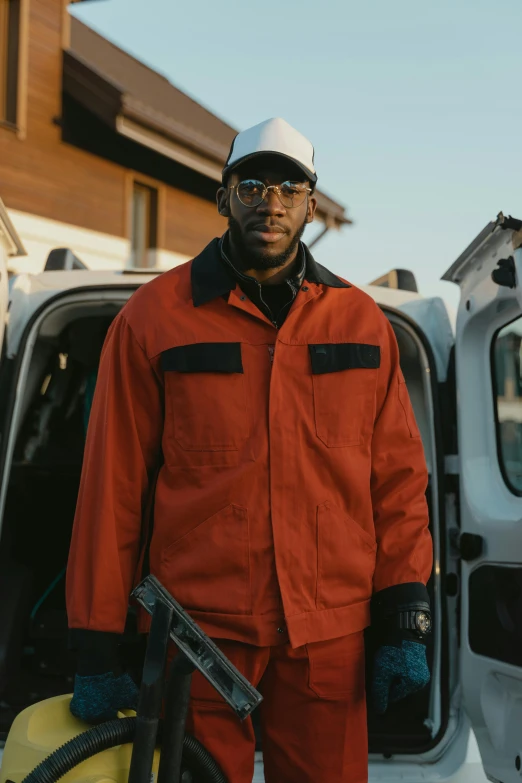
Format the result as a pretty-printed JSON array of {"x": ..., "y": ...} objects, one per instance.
[{"x": 412, "y": 107}]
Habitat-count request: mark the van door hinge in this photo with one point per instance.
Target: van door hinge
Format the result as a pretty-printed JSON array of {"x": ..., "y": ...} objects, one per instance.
[{"x": 505, "y": 275}]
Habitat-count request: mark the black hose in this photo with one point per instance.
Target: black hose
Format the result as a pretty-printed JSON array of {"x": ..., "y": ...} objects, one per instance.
[
  {"x": 196, "y": 758},
  {"x": 85, "y": 745}
]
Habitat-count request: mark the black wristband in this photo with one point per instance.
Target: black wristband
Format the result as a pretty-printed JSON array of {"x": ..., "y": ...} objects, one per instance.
[
  {"x": 399, "y": 598},
  {"x": 394, "y": 637},
  {"x": 97, "y": 651}
]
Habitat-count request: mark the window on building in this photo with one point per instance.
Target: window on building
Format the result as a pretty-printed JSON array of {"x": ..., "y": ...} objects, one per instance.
[
  {"x": 9, "y": 57},
  {"x": 144, "y": 225},
  {"x": 507, "y": 347}
]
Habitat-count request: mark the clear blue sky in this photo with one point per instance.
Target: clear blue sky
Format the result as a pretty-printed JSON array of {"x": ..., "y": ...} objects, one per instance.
[{"x": 413, "y": 107}]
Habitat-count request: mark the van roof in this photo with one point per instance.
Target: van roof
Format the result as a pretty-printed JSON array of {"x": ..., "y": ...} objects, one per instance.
[
  {"x": 52, "y": 283},
  {"x": 29, "y": 292}
]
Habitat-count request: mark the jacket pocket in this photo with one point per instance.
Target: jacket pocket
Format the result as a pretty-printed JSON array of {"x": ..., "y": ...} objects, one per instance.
[
  {"x": 345, "y": 559},
  {"x": 205, "y": 396},
  {"x": 208, "y": 569},
  {"x": 344, "y": 377}
]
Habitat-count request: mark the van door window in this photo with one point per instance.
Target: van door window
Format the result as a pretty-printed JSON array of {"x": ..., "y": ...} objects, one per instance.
[{"x": 507, "y": 380}]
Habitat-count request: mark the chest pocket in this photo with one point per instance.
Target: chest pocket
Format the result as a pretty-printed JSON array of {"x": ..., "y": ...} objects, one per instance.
[
  {"x": 205, "y": 396},
  {"x": 344, "y": 377}
]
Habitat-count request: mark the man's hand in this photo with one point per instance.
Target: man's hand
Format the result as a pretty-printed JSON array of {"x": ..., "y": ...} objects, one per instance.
[
  {"x": 399, "y": 670},
  {"x": 98, "y": 697}
]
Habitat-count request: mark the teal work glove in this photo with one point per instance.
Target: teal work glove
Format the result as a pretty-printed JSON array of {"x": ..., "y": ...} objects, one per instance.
[
  {"x": 399, "y": 670},
  {"x": 98, "y": 697}
]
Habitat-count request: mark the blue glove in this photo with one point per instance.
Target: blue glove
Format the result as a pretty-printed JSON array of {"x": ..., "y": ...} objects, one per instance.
[
  {"x": 398, "y": 671},
  {"x": 98, "y": 697}
]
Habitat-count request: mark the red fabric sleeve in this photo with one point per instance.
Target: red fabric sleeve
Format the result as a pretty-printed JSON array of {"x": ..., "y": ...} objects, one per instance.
[
  {"x": 121, "y": 454},
  {"x": 398, "y": 481}
]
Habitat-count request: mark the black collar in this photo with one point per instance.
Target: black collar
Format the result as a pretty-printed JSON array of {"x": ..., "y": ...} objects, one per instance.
[
  {"x": 295, "y": 282},
  {"x": 211, "y": 278},
  {"x": 317, "y": 273}
]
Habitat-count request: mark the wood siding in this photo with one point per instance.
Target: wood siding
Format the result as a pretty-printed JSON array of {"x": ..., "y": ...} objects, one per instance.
[
  {"x": 190, "y": 222},
  {"x": 46, "y": 177}
]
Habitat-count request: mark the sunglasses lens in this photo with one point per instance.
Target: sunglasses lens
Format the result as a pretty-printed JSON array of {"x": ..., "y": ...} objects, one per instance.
[
  {"x": 250, "y": 192},
  {"x": 292, "y": 194}
]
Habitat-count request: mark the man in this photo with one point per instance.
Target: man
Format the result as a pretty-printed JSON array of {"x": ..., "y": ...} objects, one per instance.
[{"x": 291, "y": 484}]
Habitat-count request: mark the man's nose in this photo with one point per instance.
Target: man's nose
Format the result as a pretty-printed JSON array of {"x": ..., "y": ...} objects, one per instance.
[{"x": 271, "y": 205}]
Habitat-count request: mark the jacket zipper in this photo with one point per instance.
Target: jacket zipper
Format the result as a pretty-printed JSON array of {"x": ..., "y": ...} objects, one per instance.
[{"x": 274, "y": 323}]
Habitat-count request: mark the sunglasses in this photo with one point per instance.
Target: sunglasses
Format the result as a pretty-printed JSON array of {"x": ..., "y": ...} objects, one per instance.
[{"x": 252, "y": 192}]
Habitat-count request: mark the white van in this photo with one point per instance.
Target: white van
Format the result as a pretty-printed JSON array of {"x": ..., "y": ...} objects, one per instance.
[{"x": 466, "y": 387}]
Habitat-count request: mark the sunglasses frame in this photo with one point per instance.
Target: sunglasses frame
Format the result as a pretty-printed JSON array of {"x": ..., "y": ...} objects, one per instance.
[{"x": 266, "y": 188}]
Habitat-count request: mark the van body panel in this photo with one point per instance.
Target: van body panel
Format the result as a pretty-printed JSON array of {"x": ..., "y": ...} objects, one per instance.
[{"x": 489, "y": 413}]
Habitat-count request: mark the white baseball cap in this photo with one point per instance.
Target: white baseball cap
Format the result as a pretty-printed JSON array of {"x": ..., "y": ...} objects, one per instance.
[{"x": 272, "y": 137}]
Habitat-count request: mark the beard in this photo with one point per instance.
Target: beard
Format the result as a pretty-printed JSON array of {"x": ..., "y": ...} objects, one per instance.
[{"x": 257, "y": 258}]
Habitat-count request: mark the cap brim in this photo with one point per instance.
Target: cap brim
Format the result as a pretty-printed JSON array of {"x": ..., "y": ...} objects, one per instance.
[{"x": 311, "y": 176}]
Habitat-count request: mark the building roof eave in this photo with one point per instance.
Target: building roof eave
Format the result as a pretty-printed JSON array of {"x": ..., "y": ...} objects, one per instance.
[
  {"x": 97, "y": 93},
  {"x": 169, "y": 147},
  {"x": 330, "y": 212},
  {"x": 135, "y": 109}
]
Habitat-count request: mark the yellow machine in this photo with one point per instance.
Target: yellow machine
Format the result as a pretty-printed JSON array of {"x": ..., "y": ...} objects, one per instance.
[
  {"x": 40, "y": 729},
  {"x": 47, "y": 744}
]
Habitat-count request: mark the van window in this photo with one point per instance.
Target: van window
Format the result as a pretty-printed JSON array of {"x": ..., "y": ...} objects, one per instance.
[{"x": 507, "y": 379}]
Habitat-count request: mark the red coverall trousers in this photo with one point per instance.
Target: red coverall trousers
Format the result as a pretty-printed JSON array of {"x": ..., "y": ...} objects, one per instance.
[{"x": 313, "y": 714}]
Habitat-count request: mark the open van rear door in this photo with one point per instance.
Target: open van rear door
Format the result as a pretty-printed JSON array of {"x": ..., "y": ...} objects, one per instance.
[
  {"x": 10, "y": 245},
  {"x": 489, "y": 392}
]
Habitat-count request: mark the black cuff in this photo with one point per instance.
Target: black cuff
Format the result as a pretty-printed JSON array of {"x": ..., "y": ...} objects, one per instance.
[
  {"x": 97, "y": 651},
  {"x": 399, "y": 598},
  {"x": 394, "y": 637}
]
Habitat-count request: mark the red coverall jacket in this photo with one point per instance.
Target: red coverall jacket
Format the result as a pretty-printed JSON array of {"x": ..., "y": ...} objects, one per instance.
[{"x": 292, "y": 480}]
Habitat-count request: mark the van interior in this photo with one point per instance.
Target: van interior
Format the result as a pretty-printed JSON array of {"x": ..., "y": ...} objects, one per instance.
[{"x": 49, "y": 432}]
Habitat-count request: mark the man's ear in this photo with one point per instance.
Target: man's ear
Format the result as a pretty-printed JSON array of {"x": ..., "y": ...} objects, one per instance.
[
  {"x": 310, "y": 210},
  {"x": 222, "y": 202}
]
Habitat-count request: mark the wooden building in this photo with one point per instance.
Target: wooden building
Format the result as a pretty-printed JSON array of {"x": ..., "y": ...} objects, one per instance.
[{"x": 100, "y": 153}]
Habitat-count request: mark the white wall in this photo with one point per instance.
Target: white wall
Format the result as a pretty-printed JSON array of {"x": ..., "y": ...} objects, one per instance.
[{"x": 97, "y": 250}]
